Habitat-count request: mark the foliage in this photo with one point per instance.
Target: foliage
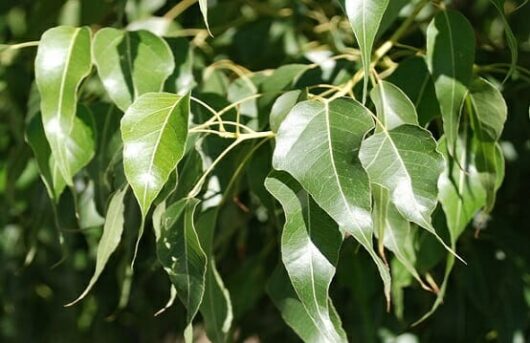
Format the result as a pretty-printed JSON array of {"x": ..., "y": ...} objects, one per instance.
[{"x": 329, "y": 171}]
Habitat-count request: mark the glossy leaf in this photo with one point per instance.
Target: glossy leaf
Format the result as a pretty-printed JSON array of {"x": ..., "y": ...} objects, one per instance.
[
  {"x": 62, "y": 62},
  {"x": 420, "y": 88},
  {"x": 154, "y": 131},
  {"x": 405, "y": 161},
  {"x": 50, "y": 174},
  {"x": 282, "y": 106},
  {"x": 489, "y": 110},
  {"x": 180, "y": 253},
  {"x": 293, "y": 311},
  {"x": 450, "y": 54},
  {"x": 112, "y": 232},
  {"x": 317, "y": 144},
  {"x": 365, "y": 18},
  {"x": 131, "y": 63},
  {"x": 393, "y": 107},
  {"x": 309, "y": 246}
]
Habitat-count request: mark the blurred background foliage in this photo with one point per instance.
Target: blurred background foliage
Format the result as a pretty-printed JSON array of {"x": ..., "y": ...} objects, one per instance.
[{"x": 43, "y": 267}]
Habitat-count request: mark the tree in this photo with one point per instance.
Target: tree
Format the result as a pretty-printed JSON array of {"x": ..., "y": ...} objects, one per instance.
[{"x": 332, "y": 167}]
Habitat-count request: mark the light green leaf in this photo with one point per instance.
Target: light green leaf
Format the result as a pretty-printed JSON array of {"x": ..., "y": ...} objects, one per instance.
[
  {"x": 50, "y": 174},
  {"x": 62, "y": 62},
  {"x": 489, "y": 161},
  {"x": 154, "y": 131},
  {"x": 203, "y": 4},
  {"x": 489, "y": 110},
  {"x": 393, "y": 106},
  {"x": 131, "y": 63},
  {"x": 405, "y": 161},
  {"x": 309, "y": 245},
  {"x": 112, "y": 232},
  {"x": 450, "y": 54},
  {"x": 282, "y": 106},
  {"x": 510, "y": 37},
  {"x": 365, "y": 18},
  {"x": 180, "y": 253},
  {"x": 293, "y": 311},
  {"x": 216, "y": 307},
  {"x": 317, "y": 144}
]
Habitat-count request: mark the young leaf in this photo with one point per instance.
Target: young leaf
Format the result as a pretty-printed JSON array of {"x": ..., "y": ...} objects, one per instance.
[
  {"x": 393, "y": 107},
  {"x": 131, "y": 63},
  {"x": 489, "y": 161},
  {"x": 317, "y": 144},
  {"x": 154, "y": 131},
  {"x": 62, "y": 62},
  {"x": 310, "y": 244},
  {"x": 365, "y": 18},
  {"x": 450, "y": 54},
  {"x": 180, "y": 253},
  {"x": 405, "y": 161},
  {"x": 110, "y": 239},
  {"x": 50, "y": 174},
  {"x": 489, "y": 110},
  {"x": 216, "y": 307}
]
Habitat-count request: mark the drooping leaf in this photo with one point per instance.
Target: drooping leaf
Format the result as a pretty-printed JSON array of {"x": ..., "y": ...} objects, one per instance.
[
  {"x": 203, "y": 4},
  {"x": 62, "y": 62},
  {"x": 50, "y": 174},
  {"x": 365, "y": 18},
  {"x": 510, "y": 37},
  {"x": 394, "y": 231},
  {"x": 393, "y": 107},
  {"x": 317, "y": 144},
  {"x": 180, "y": 253},
  {"x": 309, "y": 246},
  {"x": 489, "y": 161},
  {"x": 216, "y": 307},
  {"x": 112, "y": 232},
  {"x": 131, "y": 63},
  {"x": 489, "y": 110},
  {"x": 293, "y": 311},
  {"x": 154, "y": 131},
  {"x": 450, "y": 54},
  {"x": 420, "y": 88},
  {"x": 405, "y": 161}
]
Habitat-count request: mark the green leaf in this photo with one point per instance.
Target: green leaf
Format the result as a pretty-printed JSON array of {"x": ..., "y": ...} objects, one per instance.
[
  {"x": 282, "y": 106},
  {"x": 420, "y": 88},
  {"x": 131, "y": 63},
  {"x": 393, "y": 106},
  {"x": 489, "y": 161},
  {"x": 293, "y": 311},
  {"x": 180, "y": 253},
  {"x": 203, "y": 4},
  {"x": 489, "y": 110},
  {"x": 216, "y": 307},
  {"x": 450, "y": 54},
  {"x": 365, "y": 18},
  {"x": 154, "y": 131},
  {"x": 112, "y": 232},
  {"x": 309, "y": 245},
  {"x": 405, "y": 161},
  {"x": 461, "y": 192},
  {"x": 62, "y": 62},
  {"x": 50, "y": 174},
  {"x": 317, "y": 144},
  {"x": 510, "y": 37},
  {"x": 394, "y": 231}
]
